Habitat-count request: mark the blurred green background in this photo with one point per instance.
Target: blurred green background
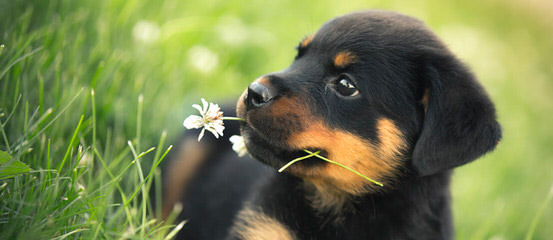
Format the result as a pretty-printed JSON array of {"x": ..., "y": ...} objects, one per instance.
[{"x": 172, "y": 52}]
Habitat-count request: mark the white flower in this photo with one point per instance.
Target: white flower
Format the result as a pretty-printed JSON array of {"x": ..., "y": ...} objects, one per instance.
[
  {"x": 211, "y": 119},
  {"x": 80, "y": 189},
  {"x": 238, "y": 145},
  {"x": 145, "y": 31},
  {"x": 86, "y": 159},
  {"x": 203, "y": 59}
]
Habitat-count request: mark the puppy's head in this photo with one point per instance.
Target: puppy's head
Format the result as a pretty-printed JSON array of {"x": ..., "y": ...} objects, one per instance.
[{"x": 376, "y": 91}]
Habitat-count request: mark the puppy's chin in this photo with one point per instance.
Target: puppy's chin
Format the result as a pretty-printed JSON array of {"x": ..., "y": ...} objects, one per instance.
[{"x": 277, "y": 154}]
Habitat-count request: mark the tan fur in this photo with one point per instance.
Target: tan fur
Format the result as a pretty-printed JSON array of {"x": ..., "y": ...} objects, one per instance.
[
  {"x": 283, "y": 107},
  {"x": 324, "y": 198},
  {"x": 391, "y": 139},
  {"x": 255, "y": 225},
  {"x": 263, "y": 80},
  {"x": 332, "y": 185},
  {"x": 424, "y": 100},
  {"x": 180, "y": 171},
  {"x": 289, "y": 105},
  {"x": 240, "y": 106},
  {"x": 343, "y": 59},
  {"x": 378, "y": 161},
  {"x": 306, "y": 41}
]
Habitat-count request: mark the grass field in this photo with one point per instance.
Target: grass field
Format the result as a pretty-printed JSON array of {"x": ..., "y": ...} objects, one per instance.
[{"x": 92, "y": 93}]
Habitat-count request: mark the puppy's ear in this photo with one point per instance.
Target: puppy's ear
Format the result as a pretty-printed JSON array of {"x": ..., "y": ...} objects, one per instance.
[{"x": 460, "y": 123}]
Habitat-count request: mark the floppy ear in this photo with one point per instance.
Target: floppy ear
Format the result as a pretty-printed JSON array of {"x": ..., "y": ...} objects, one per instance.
[{"x": 460, "y": 123}]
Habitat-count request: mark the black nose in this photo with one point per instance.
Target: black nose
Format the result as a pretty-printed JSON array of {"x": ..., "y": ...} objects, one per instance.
[{"x": 259, "y": 95}]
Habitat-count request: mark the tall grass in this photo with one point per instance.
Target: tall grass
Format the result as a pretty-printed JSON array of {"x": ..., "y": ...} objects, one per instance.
[
  {"x": 93, "y": 92},
  {"x": 69, "y": 197},
  {"x": 65, "y": 130},
  {"x": 61, "y": 197}
]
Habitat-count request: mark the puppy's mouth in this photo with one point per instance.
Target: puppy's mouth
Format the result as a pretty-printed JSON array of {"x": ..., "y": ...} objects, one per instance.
[
  {"x": 267, "y": 129},
  {"x": 277, "y": 153}
]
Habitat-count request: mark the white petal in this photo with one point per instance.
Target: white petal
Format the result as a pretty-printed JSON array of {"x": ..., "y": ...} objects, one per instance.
[
  {"x": 193, "y": 121},
  {"x": 205, "y": 105},
  {"x": 213, "y": 131},
  {"x": 218, "y": 126},
  {"x": 214, "y": 111},
  {"x": 238, "y": 145},
  {"x": 242, "y": 152},
  {"x": 196, "y": 106},
  {"x": 234, "y": 139},
  {"x": 201, "y": 134}
]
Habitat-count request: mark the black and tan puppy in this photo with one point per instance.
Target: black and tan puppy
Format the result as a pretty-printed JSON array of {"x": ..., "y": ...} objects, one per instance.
[{"x": 374, "y": 90}]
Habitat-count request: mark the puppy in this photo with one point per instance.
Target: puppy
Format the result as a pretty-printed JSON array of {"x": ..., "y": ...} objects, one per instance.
[{"x": 376, "y": 91}]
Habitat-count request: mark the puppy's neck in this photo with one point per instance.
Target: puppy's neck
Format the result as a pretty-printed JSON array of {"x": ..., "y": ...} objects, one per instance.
[
  {"x": 326, "y": 198},
  {"x": 331, "y": 200}
]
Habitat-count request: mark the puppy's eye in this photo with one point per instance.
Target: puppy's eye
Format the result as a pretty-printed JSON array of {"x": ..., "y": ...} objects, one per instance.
[{"x": 344, "y": 86}]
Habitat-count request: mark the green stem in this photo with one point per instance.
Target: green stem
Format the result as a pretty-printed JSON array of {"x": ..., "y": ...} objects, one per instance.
[
  {"x": 233, "y": 118},
  {"x": 538, "y": 215},
  {"x": 297, "y": 160},
  {"x": 343, "y": 166},
  {"x": 71, "y": 142},
  {"x": 139, "y": 121},
  {"x": 93, "y": 121}
]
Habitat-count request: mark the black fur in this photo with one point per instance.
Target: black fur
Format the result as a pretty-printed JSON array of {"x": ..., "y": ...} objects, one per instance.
[{"x": 397, "y": 60}]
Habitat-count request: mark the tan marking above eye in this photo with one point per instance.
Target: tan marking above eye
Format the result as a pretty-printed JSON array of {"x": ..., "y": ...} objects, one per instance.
[
  {"x": 306, "y": 41},
  {"x": 255, "y": 225},
  {"x": 344, "y": 58}
]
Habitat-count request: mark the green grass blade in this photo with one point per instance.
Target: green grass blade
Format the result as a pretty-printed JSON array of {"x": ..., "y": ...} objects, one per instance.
[
  {"x": 297, "y": 160},
  {"x": 539, "y": 213},
  {"x": 345, "y": 167},
  {"x": 71, "y": 142}
]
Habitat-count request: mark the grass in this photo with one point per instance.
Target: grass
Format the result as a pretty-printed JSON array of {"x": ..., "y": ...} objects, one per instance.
[
  {"x": 89, "y": 88},
  {"x": 316, "y": 154}
]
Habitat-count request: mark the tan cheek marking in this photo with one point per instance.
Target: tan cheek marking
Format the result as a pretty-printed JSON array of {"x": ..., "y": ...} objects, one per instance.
[
  {"x": 342, "y": 59},
  {"x": 180, "y": 171},
  {"x": 374, "y": 161},
  {"x": 254, "y": 225},
  {"x": 391, "y": 139},
  {"x": 306, "y": 41}
]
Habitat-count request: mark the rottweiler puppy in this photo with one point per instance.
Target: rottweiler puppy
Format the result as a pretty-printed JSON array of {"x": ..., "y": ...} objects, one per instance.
[{"x": 374, "y": 90}]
